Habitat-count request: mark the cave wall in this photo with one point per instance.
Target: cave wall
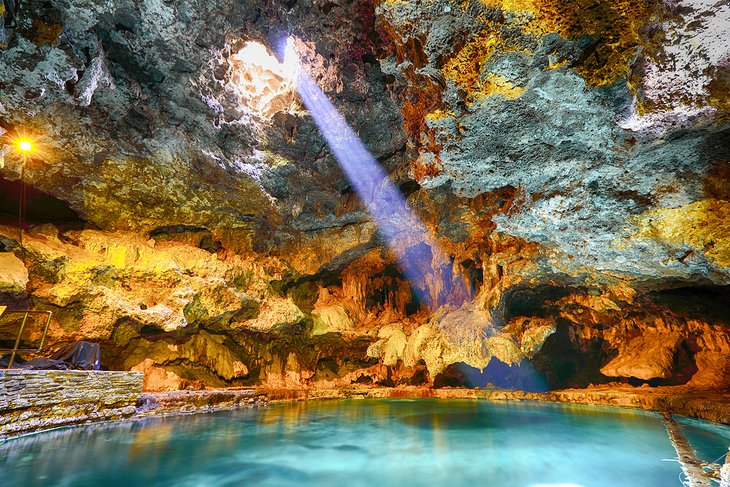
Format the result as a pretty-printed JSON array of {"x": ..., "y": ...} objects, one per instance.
[{"x": 569, "y": 159}]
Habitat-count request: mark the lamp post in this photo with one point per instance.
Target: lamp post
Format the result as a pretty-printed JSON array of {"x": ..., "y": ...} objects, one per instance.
[{"x": 25, "y": 147}]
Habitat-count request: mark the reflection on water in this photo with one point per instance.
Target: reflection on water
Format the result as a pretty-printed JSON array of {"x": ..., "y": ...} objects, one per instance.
[{"x": 363, "y": 443}]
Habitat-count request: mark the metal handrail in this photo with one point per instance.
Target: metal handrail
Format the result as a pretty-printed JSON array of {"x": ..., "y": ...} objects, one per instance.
[{"x": 25, "y": 313}]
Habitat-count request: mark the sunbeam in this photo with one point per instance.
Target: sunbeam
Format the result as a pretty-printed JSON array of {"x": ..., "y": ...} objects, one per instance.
[{"x": 397, "y": 223}]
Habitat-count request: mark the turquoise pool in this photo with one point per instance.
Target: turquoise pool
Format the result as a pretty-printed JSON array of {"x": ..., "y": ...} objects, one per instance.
[{"x": 424, "y": 442}]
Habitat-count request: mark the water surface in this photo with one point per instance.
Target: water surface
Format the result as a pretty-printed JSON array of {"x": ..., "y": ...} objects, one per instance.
[{"x": 424, "y": 442}]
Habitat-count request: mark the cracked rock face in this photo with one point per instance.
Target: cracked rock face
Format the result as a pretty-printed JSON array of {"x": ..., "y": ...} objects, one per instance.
[{"x": 570, "y": 160}]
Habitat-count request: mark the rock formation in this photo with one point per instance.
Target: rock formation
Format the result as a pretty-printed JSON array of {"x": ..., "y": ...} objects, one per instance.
[{"x": 570, "y": 160}]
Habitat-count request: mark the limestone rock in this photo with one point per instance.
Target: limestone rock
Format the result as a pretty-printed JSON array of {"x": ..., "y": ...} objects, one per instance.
[
  {"x": 13, "y": 274},
  {"x": 156, "y": 378},
  {"x": 531, "y": 334},
  {"x": 391, "y": 346},
  {"x": 569, "y": 166},
  {"x": 288, "y": 373},
  {"x": 713, "y": 360},
  {"x": 203, "y": 349},
  {"x": 645, "y": 357},
  {"x": 331, "y": 319}
]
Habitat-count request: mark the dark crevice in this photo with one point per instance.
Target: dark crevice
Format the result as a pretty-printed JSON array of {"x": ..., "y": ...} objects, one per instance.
[
  {"x": 175, "y": 229},
  {"x": 706, "y": 303},
  {"x": 40, "y": 207},
  {"x": 474, "y": 276},
  {"x": 564, "y": 363},
  {"x": 409, "y": 187},
  {"x": 200, "y": 237},
  {"x": 529, "y": 301}
]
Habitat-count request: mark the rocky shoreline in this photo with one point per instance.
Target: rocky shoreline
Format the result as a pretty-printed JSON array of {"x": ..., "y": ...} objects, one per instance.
[
  {"x": 33, "y": 401},
  {"x": 713, "y": 406}
]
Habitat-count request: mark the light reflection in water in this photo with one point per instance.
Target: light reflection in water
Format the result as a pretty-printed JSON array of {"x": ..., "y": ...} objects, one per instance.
[{"x": 361, "y": 443}]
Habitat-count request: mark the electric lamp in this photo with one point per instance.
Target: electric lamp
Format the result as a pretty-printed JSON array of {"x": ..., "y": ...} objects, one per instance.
[{"x": 25, "y": 146}]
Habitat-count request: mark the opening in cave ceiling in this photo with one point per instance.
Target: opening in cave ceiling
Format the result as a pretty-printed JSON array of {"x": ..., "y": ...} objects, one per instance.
[{"x": 263, "y": 84}]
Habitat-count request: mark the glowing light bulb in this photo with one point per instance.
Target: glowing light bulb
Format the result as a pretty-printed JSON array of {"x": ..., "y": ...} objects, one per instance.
[{"x": 25, "y": 145}]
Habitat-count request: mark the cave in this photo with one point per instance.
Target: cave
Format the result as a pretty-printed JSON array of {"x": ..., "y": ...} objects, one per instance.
[{"x": 495, "y": 234}]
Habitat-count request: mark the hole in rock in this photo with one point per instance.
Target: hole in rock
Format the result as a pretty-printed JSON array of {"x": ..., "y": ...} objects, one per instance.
[
  {"x": 711, "y": 304},
  {"x": 496, "y": 374},
  {"x": 152, "y": 333},
  {"x": 530, "y": 301},
  {"x": 327, "y": 369},
  {"x": 196, "y": 236},
  {"x": 40, "y": 207},
  {"x": 364, "y": 379},
  {"x": 474, "y": 275},
  {"x": 263, "y": 84},
  {"x": 420, "y": 377},
  {"x": 169, "y": 230},
  {"x": 684, "y": 365},
  {"x": 564, "y": 363},
  {"x": 391, "y": 290},
  {"x": 409, "y": 187}
]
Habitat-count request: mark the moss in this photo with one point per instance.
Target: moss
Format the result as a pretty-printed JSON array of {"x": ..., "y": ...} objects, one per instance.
[
  {"x": 43, "y": 33},
  {"x": 466, "y": 66},
  {"x": 614, "y": 26},
  {"x": 704, "y": 226}
]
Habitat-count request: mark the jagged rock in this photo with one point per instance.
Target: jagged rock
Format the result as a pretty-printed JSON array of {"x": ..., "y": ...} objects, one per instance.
[
  {"x": 13, "y": 274},
  {"x": 288, "y": 373},
  {"x": 391, "y": 346},
  {"x": 331, "y": 319},
  {"x": 530, "y": 334},
  {"x": 157, "y": 378},
  {"x": 712, "y": 359},
  {"x": 648, "y": 356},
  {"x": 202, "y": 349},
  {"x": 569, "y": 166}
]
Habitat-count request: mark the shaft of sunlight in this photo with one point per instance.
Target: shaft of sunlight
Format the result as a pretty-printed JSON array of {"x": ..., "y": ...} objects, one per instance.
[{"x": 396, "y": 222}]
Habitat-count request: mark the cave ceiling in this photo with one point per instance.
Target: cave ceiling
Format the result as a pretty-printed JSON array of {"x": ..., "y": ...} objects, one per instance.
[
  {"x": 569, "y": 162},
  {"x": 606, "y": 122}
]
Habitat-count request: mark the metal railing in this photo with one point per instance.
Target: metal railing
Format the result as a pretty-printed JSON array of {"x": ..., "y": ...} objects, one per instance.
[{"x": 16, "y": 347}]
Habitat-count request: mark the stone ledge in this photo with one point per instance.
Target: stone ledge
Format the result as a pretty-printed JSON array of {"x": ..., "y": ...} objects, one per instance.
[
  {"x": 173, "y": 402},
  {"x": 87, "y": 397},
  {"x": 711, "y": 406},
  {"x": 33, "y": 400}
]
